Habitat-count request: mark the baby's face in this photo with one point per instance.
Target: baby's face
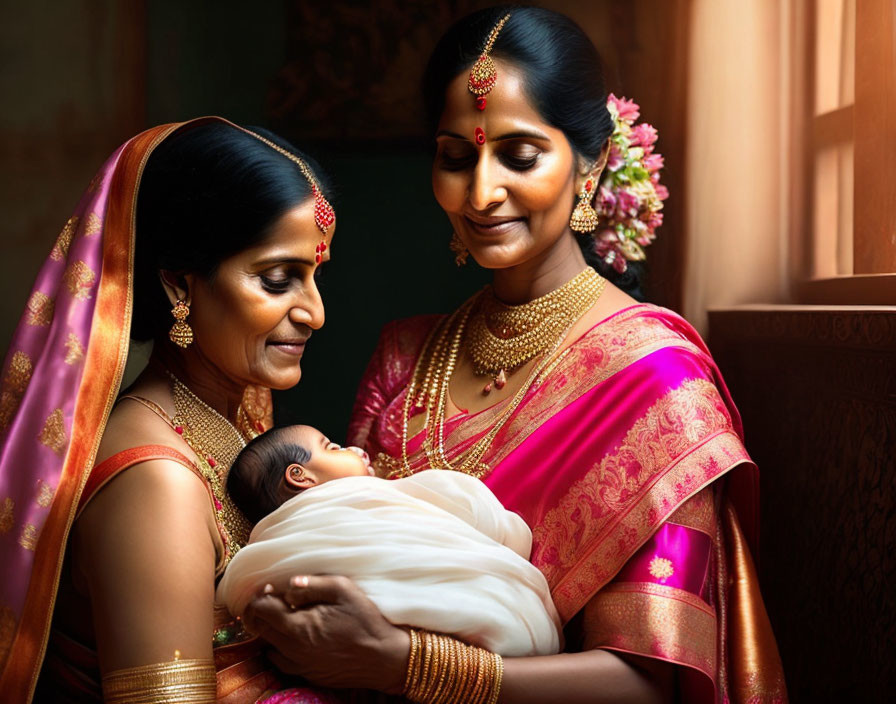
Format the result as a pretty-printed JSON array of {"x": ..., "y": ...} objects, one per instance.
[{"x": 329, "y": 460}]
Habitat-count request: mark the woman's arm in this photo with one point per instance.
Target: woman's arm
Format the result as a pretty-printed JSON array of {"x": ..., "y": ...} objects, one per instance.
[
  {"x": 337, "y": 637},
  {"x": 144, "y": 552}
]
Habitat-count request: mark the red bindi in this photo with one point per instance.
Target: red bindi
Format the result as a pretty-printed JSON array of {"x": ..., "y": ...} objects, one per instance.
[{"x": 479, "y": 135}]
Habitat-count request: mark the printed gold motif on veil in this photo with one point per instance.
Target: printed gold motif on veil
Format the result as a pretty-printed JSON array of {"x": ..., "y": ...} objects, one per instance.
[
  {"x": 53, "y": 435},
  {"x": 13, "y": 388},
  {"x": 78, "y": 279},
  {"x": 6, "y": 515},
  {"x": 74, "y": 349},
  {"x": 44, "y": 494},
  {"x": 64, "y": 241},
  {"x": 93, "y": 225},
  {"x": 28, "y": 539},
  {"x": 40, "y": 309}
]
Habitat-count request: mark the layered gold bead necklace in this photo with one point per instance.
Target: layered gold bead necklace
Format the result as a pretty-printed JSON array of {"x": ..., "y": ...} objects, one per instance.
[
  {"x": 503, "y": 337},
  {"x": 216, "y": 442},
  {"x": 499, "y": 338}
]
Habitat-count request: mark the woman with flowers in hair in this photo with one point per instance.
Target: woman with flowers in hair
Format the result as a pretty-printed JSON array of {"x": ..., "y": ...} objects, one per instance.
[{"x": 602, "y": 421}]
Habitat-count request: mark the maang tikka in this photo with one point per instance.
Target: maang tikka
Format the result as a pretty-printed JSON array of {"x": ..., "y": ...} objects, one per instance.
[
  {"x": 324, "y": 215},
  {"x": 484, "y": 74}
]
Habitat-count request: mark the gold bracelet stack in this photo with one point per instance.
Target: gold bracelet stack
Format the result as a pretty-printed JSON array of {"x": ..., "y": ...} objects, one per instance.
[
  {"x": 189, "y": 681},
  {"x": 442, "y": 670}
]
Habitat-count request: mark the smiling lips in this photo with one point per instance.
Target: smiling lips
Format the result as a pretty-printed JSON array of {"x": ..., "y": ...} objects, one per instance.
[
  {"x": 293, "y": 346},
  {"x": 491, "y": 225}
]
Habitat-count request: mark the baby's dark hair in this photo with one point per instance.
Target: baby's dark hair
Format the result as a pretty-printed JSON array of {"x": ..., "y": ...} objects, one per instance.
[{"x": 256, "y": 477}]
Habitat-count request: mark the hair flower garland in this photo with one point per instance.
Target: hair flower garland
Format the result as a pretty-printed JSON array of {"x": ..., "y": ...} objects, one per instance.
[{"x": 630, "y": 197}]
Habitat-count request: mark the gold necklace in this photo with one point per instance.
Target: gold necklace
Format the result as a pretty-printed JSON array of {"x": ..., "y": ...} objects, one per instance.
[
  {"x": 216, "y": 443},
  {"x": 503, "y": 338},
  {"x": 429, "y": 388}
]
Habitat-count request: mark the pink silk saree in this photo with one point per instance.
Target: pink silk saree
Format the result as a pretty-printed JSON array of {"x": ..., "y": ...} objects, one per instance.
[
  {"x": 60, "y": 379},
  {"x": 626, "y": 460}
]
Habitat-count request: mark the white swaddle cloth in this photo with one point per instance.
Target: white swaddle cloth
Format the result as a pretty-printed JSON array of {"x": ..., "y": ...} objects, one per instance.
[{"x": 436, "y": 550}]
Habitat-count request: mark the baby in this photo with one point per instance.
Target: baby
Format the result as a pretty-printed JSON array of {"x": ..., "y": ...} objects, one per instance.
[{"x": 435, "y": 550}]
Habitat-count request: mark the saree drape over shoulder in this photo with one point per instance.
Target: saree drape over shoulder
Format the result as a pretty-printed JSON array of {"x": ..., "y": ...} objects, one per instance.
[
  {"x": 626, "y": 460},
  {"x": 59, "y": 382}
]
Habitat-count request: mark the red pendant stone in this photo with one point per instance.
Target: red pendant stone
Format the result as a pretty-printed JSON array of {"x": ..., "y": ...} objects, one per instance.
[
  {"x": 211, "y": 461},
  {"x": 480, "y": 102},
  {"x": 324, "y": 215},
  {"x": 323, "y": 246},
  {"x": 589, "y": 185},
  {"x": 179, "y": 430},
  {"x": 317, "y": 258}
]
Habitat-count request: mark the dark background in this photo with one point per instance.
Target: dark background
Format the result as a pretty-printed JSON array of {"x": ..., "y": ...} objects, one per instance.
[{"x": 339, "y": 79}]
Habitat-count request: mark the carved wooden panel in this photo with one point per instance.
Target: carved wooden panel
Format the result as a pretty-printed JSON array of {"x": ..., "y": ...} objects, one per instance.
[{"x": 817, "y": 391}]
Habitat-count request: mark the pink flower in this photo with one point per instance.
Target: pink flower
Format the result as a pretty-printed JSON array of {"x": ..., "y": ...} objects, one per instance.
[
  {"x": 654, "y": 162},
  {"x": 615, "y": 160},
  {"x": 627, "y": 204},
  {"x": 606, "y": 200},
  {"x": 620, "y": 265},
  {"x": 626, "y": 109},
  {"x": 661, "y": 191},
  {"x": 643, "y": 135}
]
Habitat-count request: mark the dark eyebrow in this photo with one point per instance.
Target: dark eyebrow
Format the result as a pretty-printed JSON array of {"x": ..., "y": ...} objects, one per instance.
[
  {"x": 523, "y": 134},
  {"x": 283, "y": 260},
  {"x": 519, "y": 134},
  {"x": 446, "y": 133}
]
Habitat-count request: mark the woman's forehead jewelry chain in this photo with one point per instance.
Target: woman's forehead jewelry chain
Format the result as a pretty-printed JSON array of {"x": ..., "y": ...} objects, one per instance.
[
  {"x": 216, "y": 443},
  {"x": 484, "y": 74},
  {"x": 324, "y": 215}
]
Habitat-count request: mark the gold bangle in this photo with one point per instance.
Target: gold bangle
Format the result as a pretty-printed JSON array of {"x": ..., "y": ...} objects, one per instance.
[
  {"x": 412, "y": 660},
  {"x": 189, "y": 681},
  {"x": 443, "y": 670},
  {"x": 498, "y": 678}
]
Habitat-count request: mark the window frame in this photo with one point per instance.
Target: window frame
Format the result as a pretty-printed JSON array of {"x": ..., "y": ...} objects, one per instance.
[{"x": 870, "y": 123}]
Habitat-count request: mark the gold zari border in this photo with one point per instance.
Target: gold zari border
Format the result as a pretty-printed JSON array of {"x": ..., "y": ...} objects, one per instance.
[{"x": 653, "y": 620}]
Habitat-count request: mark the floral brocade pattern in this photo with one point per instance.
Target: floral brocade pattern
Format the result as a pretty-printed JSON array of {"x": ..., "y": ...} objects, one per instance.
[{"x": 681, "y": 443}]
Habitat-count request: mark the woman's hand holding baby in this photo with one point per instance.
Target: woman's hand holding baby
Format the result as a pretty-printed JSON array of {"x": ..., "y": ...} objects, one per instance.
[{"x": 326, "y": 630}]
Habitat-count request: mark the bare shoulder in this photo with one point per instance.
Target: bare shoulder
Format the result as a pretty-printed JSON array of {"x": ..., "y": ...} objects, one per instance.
[
  {"x": 135, "y": 424},
  {"x": 611, "y": 301},
  {"x": 148, "y": 538}
]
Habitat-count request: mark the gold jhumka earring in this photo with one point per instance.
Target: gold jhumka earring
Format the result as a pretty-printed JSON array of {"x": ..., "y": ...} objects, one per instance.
[
  {"x": 584, "y": 217},
  {"x": 460, "y": 251},
  {"x": 181, "y": 334}
]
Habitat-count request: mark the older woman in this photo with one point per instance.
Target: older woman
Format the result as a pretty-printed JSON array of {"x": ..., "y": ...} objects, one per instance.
[
  {"x": 211, "y": 236},
  {"x": 602, "y": 421}
]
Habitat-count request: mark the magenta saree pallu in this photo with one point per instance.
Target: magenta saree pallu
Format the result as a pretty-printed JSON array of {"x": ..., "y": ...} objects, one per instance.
[{"x": 613, "y": 458}]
